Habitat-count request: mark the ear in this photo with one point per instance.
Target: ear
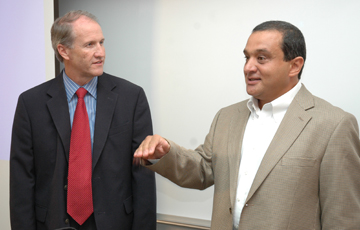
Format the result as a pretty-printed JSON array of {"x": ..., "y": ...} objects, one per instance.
[
  {"x": 296, "y": 65},
  {"x": 63, "y": 51}
]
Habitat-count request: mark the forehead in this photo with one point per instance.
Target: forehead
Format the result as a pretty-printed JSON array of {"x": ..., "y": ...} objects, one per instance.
[
  {"x": 268, "y": 40},
  {"x": 85, "y": 27}
]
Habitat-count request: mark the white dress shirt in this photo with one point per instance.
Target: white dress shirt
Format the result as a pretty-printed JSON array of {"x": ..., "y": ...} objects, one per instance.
[{"x": 259, "y": 132}]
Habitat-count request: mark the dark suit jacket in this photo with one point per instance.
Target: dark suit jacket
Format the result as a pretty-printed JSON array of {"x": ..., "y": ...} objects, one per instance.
[{"x": 123, "y": 194}]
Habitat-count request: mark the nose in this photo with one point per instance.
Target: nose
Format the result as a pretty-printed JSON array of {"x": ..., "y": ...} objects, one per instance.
[
  {"x": 250, "y": 66},
  {"x": 100, "y": 50}
]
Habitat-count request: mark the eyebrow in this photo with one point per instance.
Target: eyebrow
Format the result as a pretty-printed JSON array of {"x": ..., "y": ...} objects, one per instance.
[
  {"x": 94, "y": 40},
  {"x": 258, "y": 51}
]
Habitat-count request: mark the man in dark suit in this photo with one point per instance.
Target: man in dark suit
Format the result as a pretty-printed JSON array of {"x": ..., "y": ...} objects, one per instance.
[{"x": 122, "y": 196}]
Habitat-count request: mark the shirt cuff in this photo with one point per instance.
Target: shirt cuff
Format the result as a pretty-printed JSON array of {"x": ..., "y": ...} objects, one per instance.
[{"x": 153, "y": 161}]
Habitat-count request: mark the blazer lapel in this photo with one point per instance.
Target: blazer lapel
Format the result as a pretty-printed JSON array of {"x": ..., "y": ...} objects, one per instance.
[
  {"x": 105, "y": 107},
  {"x": 236, "y": 134},
  {"x": 290, "y": 128},
  {"x": 59, "y": 111}
]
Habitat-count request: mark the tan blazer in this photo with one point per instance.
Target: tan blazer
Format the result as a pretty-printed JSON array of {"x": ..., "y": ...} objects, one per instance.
[{"x": 309, "y": 177}]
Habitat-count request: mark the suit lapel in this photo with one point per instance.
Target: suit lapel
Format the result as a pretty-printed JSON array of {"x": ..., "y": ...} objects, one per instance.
[
  {"x": 59, "y": 111},
  {"x": 290, "y": 128},
  {"x": 105, "y": 107},
  {"x": 236, "y": 134}
]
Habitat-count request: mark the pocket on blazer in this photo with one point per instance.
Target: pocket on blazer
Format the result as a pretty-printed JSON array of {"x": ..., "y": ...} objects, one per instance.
[
  {"x": 128, "y": 204},
  {"x": 40, "y": 213},
  {"x": 119, "y": 128},
  {"x": 298, "y": 161}
]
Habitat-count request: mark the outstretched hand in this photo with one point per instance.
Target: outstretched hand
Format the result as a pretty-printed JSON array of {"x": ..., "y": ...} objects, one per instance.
[{"x": 153, "y": 147}]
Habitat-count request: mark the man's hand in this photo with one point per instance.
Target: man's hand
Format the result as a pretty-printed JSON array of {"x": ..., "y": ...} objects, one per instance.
[{"x": 153, "y": 147}]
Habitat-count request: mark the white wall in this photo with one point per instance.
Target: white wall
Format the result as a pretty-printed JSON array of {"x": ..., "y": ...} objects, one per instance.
[
  {"x": 27, "y": 59},
  {"x": 188, "y": 57}
]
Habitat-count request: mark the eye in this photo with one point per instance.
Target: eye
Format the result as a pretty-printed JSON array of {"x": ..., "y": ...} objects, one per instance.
[
  {"x": 261, "y": 59},
  {"x": 246, "y": 58}
]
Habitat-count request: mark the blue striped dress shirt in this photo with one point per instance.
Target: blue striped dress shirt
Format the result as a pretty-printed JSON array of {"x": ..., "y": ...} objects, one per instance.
[{"x": 90, "y": 100}]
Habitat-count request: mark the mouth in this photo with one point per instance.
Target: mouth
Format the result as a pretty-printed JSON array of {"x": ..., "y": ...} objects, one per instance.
[
  {"x": 98, "y": 62},
  {"x": 253, "y": 80}
]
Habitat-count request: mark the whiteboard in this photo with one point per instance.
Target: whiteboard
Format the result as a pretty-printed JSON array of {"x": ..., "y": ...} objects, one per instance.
[{"x": 188, "y": 57}]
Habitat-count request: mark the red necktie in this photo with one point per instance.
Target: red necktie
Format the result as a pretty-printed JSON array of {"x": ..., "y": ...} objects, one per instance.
[{"x": 79, "y": 199}]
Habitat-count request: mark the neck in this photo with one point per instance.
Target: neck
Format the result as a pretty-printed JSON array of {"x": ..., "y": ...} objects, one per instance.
[{"x": 80, "y": 80}]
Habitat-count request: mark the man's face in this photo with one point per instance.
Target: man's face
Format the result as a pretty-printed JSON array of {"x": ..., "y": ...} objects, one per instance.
[
  {"x": 266, "y": 72},
  {"x": 86, "y": 57}
]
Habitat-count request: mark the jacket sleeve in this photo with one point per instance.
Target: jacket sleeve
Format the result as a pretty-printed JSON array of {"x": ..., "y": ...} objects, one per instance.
[
  {"x": 144, "y": 191},
  {"x": 22, "y": 172},
  {"x": 340, "y": 178},
  {"x": 189, "y": 168}
]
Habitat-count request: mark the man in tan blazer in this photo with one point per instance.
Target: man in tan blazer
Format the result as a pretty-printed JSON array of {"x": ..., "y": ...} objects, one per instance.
[{"x": 284, "y": 159}]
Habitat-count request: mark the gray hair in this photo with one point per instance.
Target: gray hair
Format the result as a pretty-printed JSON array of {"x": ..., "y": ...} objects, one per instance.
[{"x": 62, "y": 30}]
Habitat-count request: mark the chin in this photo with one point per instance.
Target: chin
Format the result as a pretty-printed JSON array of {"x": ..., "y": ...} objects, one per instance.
[
  {"x": 98, "y": 73},
  {"x": 250, "y": 92}
]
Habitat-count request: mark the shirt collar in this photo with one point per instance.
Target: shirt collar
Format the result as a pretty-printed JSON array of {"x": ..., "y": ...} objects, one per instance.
[
  {"x": 277, "y": 108},
  {"x": 71, "y": 87}
]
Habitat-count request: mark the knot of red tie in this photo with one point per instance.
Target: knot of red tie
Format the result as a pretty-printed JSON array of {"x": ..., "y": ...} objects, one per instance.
[{"x": 81, "y": 92}]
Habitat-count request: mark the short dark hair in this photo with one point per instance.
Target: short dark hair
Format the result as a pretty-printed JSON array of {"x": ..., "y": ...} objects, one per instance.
[{"x": 293, "y": 44}]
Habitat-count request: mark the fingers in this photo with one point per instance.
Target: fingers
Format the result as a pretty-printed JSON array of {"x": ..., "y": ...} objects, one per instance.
[
  {"x": 153, "y": 147},
  {"x": 136, "y": 161},
  {"x": 146, "y": 148}
]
